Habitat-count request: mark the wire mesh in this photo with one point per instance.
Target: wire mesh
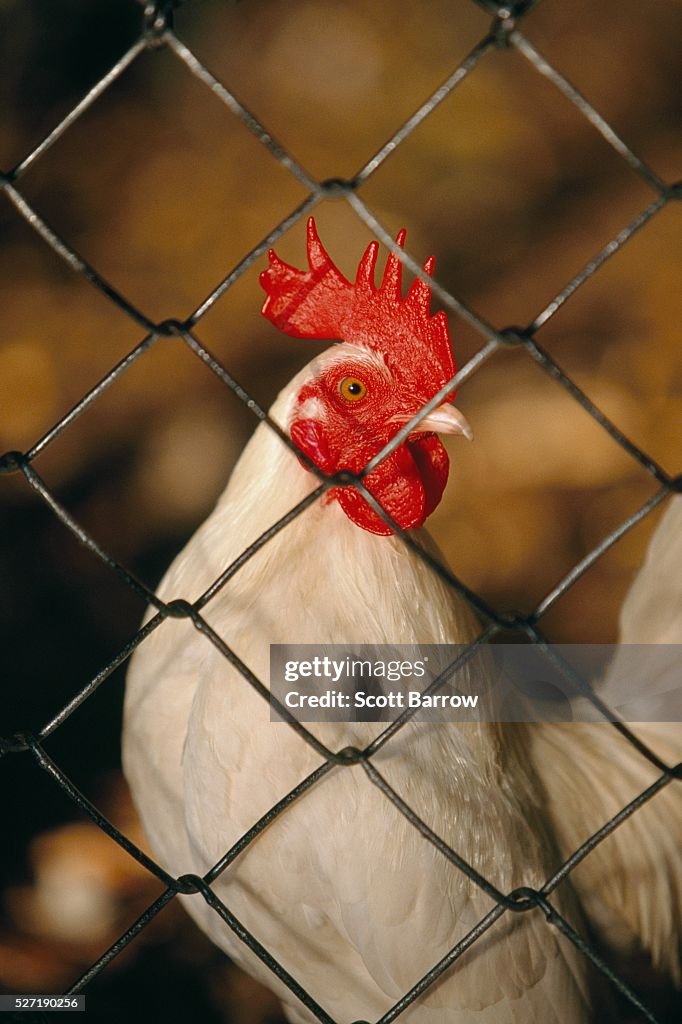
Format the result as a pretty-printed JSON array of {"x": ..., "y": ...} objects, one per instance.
[{"x": 505, "y": 32}]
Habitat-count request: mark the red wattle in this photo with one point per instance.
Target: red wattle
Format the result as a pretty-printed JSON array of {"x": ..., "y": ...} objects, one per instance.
[
  {"x": 434, "y": 467},
  {"x": 309, "y": 436},
  {"x": 408, "y": 484}
]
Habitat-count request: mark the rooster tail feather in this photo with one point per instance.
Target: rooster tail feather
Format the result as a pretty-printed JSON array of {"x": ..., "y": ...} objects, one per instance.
[{"x": 630, "y": 884}]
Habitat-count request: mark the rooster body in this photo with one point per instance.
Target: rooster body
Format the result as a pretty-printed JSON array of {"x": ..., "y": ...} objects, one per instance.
[
  {"x": 344, "y": 891},
  {"x": 355, "y": 903}
]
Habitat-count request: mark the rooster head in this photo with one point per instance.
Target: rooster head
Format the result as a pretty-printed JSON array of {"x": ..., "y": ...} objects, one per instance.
[{"x": 393, "y": 358}]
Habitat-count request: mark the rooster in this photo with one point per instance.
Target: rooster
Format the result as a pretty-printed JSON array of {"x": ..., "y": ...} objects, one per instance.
[{"x": 355, "y": 904}]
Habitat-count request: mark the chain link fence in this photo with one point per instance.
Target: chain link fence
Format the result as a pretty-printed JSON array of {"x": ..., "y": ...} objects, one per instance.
[{"x": 505, "y": 32}]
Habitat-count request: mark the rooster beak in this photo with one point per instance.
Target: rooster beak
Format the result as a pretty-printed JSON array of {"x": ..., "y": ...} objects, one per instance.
[{"x": 445, "y": 420}]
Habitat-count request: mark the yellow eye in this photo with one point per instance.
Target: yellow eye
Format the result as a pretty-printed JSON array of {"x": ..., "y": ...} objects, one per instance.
[{"x": 352, "y": 389}]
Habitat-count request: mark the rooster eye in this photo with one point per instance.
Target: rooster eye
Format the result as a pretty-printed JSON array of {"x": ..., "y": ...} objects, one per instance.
[{"x": 352, "y": 389}]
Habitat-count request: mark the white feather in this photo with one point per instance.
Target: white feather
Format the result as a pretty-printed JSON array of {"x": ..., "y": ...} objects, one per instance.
[
  {"x": 631, "y": 884},
  {"x": 343, "y": 890}
]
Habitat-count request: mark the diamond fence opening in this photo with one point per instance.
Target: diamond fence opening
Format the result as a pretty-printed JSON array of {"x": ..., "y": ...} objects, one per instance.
[{"x": 505, "y": 33}]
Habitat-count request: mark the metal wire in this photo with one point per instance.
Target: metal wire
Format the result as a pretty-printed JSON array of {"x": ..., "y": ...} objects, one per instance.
[{"x": 156, "y": 31}]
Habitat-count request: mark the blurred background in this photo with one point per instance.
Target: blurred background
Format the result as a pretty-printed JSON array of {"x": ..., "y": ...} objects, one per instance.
[{"x": 163, "y": 191}]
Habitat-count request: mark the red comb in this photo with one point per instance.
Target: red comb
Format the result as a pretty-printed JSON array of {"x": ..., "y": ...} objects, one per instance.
[{"x": 321, "y": 303}]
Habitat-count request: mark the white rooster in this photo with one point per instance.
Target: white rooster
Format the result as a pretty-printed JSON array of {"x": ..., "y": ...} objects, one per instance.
[{"x": 354, "y": 903}]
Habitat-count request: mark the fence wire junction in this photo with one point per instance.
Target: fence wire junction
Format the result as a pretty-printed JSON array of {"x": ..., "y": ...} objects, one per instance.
[{"x": 157, "y": 32}]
